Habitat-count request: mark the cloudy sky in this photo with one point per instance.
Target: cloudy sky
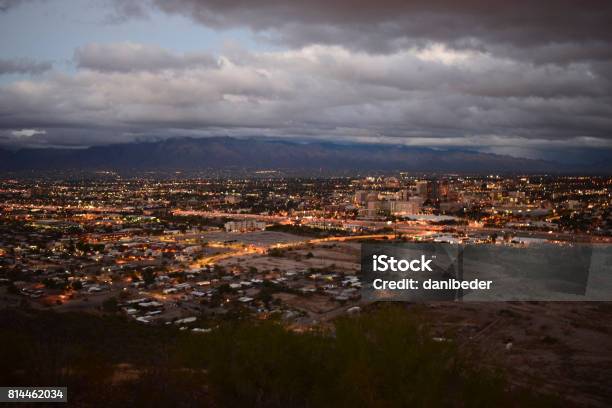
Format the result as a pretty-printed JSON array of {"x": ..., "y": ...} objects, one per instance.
[{"x": 524, "y": 78}]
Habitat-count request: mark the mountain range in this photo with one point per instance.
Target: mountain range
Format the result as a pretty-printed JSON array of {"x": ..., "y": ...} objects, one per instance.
[{"x": 189, "y": 154}]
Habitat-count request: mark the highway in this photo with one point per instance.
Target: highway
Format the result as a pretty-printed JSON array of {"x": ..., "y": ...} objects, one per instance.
[{"x": 406, "y": 227}]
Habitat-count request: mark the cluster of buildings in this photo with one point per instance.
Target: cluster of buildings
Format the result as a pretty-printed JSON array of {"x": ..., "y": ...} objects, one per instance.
[
  {"x": 372, "y": 204},
  {"x": 575, "y": 204},
  {"x": 163, "y": 250},
  {"x": 245, "y": 225}
]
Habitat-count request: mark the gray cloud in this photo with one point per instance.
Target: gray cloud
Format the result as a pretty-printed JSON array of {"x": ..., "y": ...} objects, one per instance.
[
  {"x": 23, "y": 66},
  {"x": 6, "y": 5},
  {"x": 122, "y": 11},
  {"x": 388, "y": 25},
  {"x": 131, "y": 57},
  {"x": 432, "y": 96},
  {"x": 510, "y": 77}
]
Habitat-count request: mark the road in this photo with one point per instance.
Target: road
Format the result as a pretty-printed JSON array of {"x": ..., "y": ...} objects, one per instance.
[{"x": 406, "y": 227}]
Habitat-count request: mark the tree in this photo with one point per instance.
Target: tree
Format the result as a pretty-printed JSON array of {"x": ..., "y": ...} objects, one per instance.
[
  {"x": 225, "y": 288},
  {"x": 265, "y": 295},
  {"x": 275, "y": 252},
  {"x": 123, "y": 295},
  {"x": 110, "y": 305},
  {"x": 148, "y": 276}
]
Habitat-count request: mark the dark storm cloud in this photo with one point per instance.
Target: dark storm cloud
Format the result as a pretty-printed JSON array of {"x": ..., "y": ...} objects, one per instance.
[
  {"x": 23, "y": 66},
  {"x": 131, "y": 57},
  {"x": 390, "y": 24}
]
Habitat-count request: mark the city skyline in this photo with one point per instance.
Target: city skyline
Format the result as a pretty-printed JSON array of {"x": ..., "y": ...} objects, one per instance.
[{"x": 329, "y": 203}]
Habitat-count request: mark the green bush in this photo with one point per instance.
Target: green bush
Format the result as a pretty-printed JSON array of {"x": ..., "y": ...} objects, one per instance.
[{"x": 382, "y": 358}]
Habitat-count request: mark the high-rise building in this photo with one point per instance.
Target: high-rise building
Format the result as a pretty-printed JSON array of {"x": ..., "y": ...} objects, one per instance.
[
  {"x": 421, "y": 188},
  {"x": 360, "y": 196}
]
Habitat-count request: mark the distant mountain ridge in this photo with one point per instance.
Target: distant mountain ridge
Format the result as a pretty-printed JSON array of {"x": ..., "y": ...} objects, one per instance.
[{"x": 190, "y": 154}]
